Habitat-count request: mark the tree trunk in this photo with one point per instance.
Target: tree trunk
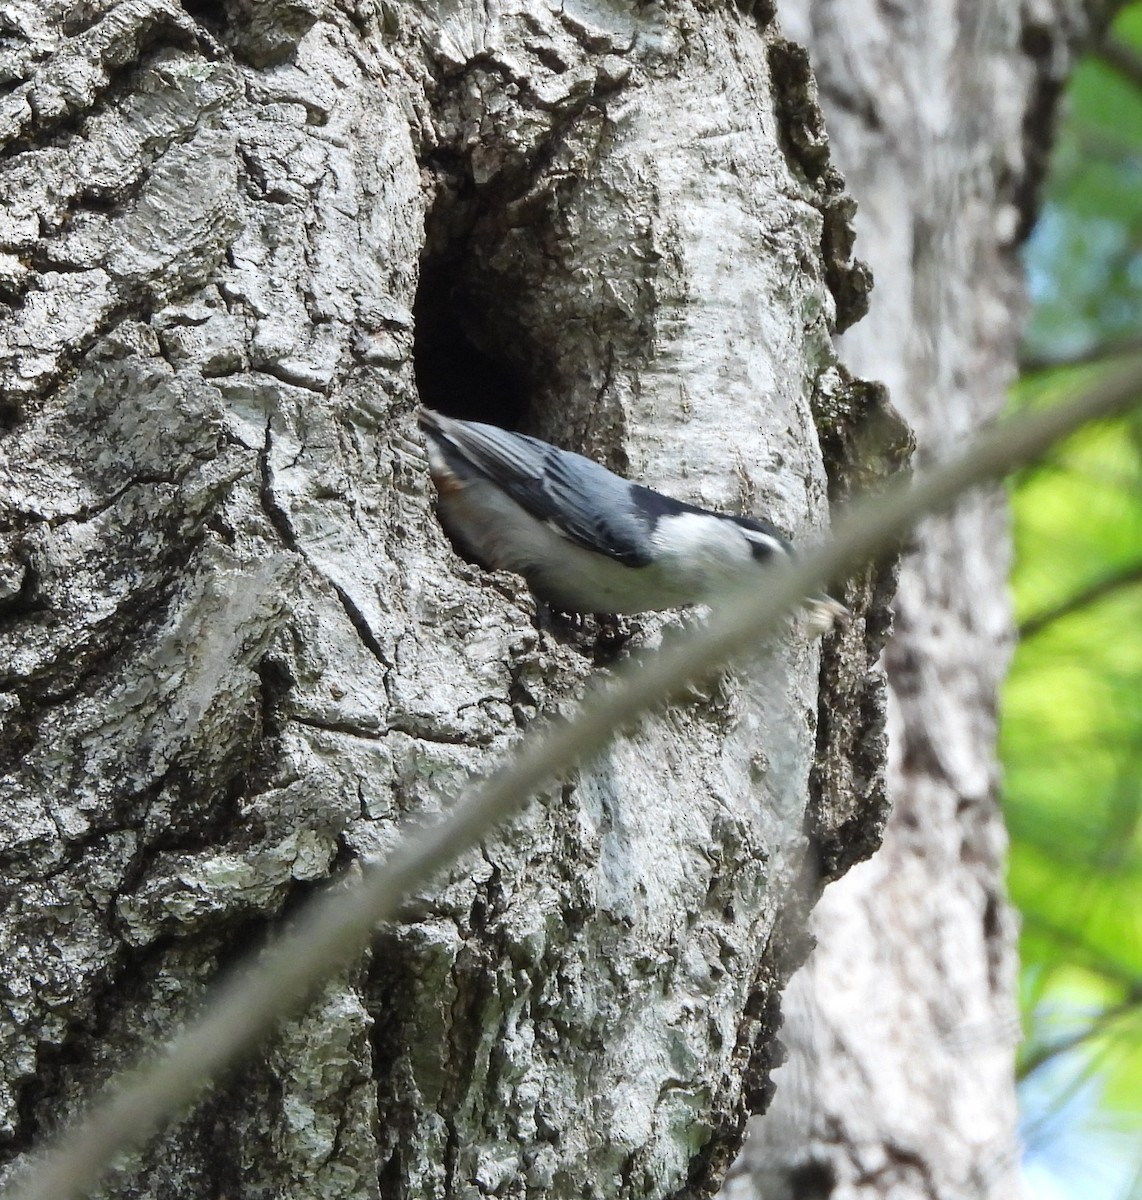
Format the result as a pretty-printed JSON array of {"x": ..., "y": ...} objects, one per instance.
[
  {"x": 236, "y": 651},
  {"x": 903, "y": 1024}
]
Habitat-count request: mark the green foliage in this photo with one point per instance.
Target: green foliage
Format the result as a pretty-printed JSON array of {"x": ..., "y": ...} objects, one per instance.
[
  {"x": 1072, "y": 729},
  {"x": 1072, "y": 751},
  {"x": 1083, "y": 258}
]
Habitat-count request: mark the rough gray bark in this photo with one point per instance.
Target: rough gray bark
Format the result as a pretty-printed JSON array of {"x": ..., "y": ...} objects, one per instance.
[
  {"x": 236, "y": 651},
  {"x": 902, "y": 1026}
]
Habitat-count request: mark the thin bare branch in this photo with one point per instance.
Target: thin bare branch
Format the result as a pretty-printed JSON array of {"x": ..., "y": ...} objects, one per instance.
[
  {"x": 1123, "y": 58},
  {"x": 337, "y": 925},
  {"x": 1082, "y": 951},
  {"x": 1095, "y": 1027},
  {"x": 1125, "y": 577},
  {"x": 1101, "y": 352}
]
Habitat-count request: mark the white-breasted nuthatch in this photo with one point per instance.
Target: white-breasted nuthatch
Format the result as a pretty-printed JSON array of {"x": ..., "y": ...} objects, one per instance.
[{"x": 585, "y": 539}]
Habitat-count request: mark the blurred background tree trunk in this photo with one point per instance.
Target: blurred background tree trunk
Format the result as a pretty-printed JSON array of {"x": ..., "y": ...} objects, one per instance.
[{"x": 902, "y": 1027}]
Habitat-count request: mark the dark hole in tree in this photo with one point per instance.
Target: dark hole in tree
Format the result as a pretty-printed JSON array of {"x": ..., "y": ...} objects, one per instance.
[
  {"x": 454, "y": 375},
  {"x": 211, "y": 13}
]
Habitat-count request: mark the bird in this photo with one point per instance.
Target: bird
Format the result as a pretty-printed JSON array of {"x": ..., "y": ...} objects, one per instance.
[{"x": 586, "y": 540}]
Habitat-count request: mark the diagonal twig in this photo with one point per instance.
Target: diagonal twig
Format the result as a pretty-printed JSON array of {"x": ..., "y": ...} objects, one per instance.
[
  {"x": 336, "y": 926},
  {"x": 1124, "y": 577}
]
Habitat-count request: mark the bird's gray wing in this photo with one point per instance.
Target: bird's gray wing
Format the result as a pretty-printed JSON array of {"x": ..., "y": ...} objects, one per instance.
[{"x": 578, "y": 498}]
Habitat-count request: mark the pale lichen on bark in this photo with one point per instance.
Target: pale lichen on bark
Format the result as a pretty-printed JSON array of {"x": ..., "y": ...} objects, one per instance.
[{"x": 237, "y": 653}]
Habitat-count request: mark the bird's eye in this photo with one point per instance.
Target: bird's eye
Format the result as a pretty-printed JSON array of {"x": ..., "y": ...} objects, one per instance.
[{"x": 762, "y": 547}]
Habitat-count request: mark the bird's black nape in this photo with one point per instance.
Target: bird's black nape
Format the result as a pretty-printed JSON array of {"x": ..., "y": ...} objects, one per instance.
[{"x": 657, "y": 505}]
